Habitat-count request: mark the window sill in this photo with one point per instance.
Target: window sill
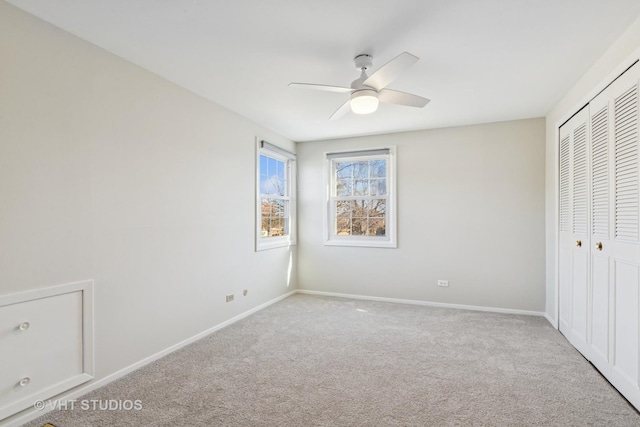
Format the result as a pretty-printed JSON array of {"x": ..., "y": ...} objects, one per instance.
[
  {"x": 362, "y": 243},
  {"x": 278, "y": 243}
]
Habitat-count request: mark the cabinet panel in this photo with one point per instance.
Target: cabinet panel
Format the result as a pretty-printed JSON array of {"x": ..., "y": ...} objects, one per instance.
[
  {"x": 48, "y": 351},
  {"x": 45, "y": 343}
]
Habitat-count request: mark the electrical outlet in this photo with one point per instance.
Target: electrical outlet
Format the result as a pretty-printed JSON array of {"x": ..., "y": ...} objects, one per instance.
[
  {"x": 245, "y": 292},
  {"x": 443, "y": 283},
  {"x": 229, "y": 297}
]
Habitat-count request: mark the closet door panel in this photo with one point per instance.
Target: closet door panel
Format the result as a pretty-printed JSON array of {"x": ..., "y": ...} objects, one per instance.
[
  {"x": 565, "y": 244},
  {"x": 580, "y": 226},
  {"x": 600, "y": 310},
  {"x": 601, "y": 226},
  {"x": 580, "y": 298},
  {"x": 626, "y": 163},
  {"x": 625, "y": 252},
  {"x": 627, "y": 322}
]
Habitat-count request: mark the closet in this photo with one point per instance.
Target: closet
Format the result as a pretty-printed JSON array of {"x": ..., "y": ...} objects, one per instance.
[{"x": 599, "y": 225}]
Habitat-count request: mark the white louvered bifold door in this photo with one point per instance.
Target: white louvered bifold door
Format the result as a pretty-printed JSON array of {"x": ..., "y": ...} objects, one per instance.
[
  {"x": 580, "y": 227},
  {"x": 625, "y": 246},
  {"x": 600, "y": 119},
  {"x": 574, "y": 230},
  {"x": 565, "y": 245},
  {"x": 599, "y": 231}
]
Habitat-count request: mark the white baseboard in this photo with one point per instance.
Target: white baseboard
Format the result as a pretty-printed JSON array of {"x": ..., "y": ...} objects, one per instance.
[
  {"x": 551, "y": 320},
  {"x": 31, "y": 414},
  {"x": 424, "y": 303}
]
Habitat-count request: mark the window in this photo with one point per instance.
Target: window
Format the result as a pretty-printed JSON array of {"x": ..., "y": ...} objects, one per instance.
[
  {"x": 360, "y": 208},
  {"x": 275, "y": 201}
]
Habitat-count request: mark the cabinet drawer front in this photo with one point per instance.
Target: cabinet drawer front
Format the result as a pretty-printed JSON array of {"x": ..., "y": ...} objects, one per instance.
[{"x": 41, "y": 349}]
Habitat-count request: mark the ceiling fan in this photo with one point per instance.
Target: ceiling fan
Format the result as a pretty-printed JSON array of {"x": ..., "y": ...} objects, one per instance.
[{"x": 367, "y": 91}]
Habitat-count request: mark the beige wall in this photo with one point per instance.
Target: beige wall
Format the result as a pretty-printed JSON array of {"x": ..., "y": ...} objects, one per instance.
[
  {"x": 470, "y": 210},
  {"x": 111, "y": 173},
  {"x": 614, "y": 61}
]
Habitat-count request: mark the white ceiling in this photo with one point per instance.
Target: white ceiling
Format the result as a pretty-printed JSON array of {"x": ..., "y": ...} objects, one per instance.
[{"x": 480, "y": 60}]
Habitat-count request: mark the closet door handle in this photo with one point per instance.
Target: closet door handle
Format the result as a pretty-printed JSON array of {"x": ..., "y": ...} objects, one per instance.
[
  {"x": 599, "y": 246},
  {"x": 24, "y": 326},
  {"x": 579, "y": 243}
]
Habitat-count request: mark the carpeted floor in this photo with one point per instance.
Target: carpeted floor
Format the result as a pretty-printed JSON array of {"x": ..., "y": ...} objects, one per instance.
[{"x": 319, "y": 361}]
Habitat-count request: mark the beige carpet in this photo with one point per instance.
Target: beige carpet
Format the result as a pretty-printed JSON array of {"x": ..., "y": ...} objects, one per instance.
[{"x": 316, "y": 361}]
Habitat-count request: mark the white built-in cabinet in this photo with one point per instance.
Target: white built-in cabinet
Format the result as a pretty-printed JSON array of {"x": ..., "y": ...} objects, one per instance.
[
  {"x": 599, "y": 225},
  {"x": 46, "y": 344}
]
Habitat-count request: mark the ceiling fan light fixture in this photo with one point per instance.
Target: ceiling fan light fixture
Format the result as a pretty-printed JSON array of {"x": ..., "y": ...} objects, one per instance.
[{"x": 364, "y": 101}]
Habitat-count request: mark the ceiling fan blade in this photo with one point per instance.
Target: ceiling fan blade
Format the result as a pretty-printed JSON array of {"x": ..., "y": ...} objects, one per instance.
[
  {"x": 325, "y": 88},
  {"x": 401, "y": 98},
  {"x": 344, "y": 109},
  {"x": 390, "y": 71}
]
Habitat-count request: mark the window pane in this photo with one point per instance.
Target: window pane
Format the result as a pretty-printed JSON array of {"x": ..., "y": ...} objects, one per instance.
[
  {"x": 378, "y": 187},
  {"x": 276, "y": 227},
  {"x": 272, "y": 176},
  {"x": 378, "y": 168},
  {"x": 263, "y": 164},
  {"x": 344, "y": 187},
  {"x": 343, "y": 208},
  {"x": 278, "y": 208},
  {"x": 359, "y": 208},
  {"x": 271, "y": 185},
  {"x": 267, "y": 207},
  {"x": 376, "y": 227},
  {"x": 264, "y": 182},
  {"x": 271, "y": 167},
  {"x": 361, "y": 188},
  {"x": 358, "y": 226},
  {"x": 344, "y": 169},
  {"x": 343, "y": 226},
  {"x": 361, "y": 170},
  {"x": 280, "y": 171},
  {"x": 274, "y": 217},
  {"x": 377, "y": 208}
]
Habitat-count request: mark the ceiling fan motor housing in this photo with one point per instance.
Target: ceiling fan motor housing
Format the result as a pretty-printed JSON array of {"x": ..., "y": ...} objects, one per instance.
[{"x": 363, "y": 61}]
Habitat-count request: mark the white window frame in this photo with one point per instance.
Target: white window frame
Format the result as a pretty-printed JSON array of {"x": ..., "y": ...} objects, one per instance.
[
  {"x": 270, "y": 150},
  {"x": 390, "y": 238}
]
